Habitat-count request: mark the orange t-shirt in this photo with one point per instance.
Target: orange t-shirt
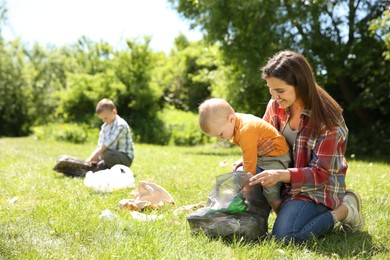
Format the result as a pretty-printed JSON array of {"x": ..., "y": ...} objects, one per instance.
[{"x": 248, "y": 129}]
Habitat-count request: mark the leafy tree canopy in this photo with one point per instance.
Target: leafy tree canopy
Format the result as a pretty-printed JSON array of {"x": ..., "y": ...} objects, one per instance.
[{"x": 333, "y": 35}]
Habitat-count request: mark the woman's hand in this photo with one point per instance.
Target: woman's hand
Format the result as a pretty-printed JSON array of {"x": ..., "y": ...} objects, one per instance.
[
  {"x": 265, "y": 147},
  {"x": 269, "y": 178}
]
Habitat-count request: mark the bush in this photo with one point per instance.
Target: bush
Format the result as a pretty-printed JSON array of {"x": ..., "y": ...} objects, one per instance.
[
  {"x": 170, "y": 127},
  {"x": 183, "y": 128},
  {"x": 149, "y": 130},
  {"x": 371, "y": 141},
  {"x": 71, "y": 132}
]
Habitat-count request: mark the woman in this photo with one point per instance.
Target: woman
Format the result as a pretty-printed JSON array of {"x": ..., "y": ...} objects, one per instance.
[{"x": 312, "y": 123}]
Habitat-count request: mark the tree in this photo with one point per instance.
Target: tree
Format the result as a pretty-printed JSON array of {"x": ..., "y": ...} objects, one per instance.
[
  {"x": 334, "y": 35},
  {"x": 191, "y": 73},
  {"x": 45, "y": 74},
  {"x": 91, "y": 57},
  {"x": 179, "y": 77},
  {"x": 122, "y": 75},
  {"x": 139, "y": 102},
  {"x": 380, "y": 27},
  {"x": 88, "y": 76},
  {"x": 14, "y": 101}
]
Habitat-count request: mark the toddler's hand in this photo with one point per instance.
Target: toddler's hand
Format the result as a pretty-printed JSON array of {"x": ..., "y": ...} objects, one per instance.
[{"x": 237, "y": 164}]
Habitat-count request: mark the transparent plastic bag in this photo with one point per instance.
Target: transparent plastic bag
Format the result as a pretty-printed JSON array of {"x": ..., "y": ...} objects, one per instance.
[
  {"x": 226, "y": 197},
  {"x": 231, "y": 212}
]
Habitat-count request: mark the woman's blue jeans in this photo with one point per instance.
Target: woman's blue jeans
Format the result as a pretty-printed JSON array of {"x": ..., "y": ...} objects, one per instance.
[{"x": 299, "y": 220}]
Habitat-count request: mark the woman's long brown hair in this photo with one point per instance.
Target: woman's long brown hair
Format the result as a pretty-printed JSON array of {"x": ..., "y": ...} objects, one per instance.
[{"x": 294, "y": 69}]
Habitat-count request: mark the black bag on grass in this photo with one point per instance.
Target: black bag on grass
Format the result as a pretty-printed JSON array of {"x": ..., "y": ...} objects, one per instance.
[
  {"x": 73, "y": 166},
  {"x": 231, "y": 213}
]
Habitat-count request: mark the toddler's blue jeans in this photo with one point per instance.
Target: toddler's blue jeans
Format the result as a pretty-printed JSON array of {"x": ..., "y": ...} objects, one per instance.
[{"x": 298, "y": 220}]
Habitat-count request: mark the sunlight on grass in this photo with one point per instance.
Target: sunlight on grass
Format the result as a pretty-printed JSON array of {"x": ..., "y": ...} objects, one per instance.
[{"x": 57, "y": 217}]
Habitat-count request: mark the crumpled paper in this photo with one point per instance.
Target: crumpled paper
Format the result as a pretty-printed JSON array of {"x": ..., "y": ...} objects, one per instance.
[{"x": 149, "y": 195}]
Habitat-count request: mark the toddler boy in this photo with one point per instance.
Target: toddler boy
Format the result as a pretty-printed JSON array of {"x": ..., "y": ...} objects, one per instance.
[{"x": 218, "y": 119}]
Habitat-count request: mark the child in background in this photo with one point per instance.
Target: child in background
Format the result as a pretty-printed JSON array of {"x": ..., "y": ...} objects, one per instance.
[
  {"x": 218, "y": 119},
  {"x": 115, "y": 144}
]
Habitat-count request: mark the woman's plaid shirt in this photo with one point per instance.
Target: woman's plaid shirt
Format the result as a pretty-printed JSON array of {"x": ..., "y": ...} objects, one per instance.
[{"x": 320, "y": 165}]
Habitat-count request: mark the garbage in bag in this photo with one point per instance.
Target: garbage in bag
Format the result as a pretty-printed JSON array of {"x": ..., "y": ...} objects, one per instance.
[
  {"x": 230, "y": 212},
  {"x": 73, "y": 166},
  {"x": 226, "y": 196},
  {"x": 118, "y": 177}
]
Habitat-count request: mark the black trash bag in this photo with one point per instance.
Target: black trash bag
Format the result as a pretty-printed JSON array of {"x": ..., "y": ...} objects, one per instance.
[
  {"x": 73, "y": 166},
  {"x": 232, "y": 212}
]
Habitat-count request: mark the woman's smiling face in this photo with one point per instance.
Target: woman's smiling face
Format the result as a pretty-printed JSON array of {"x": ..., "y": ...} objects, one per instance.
[{"x": 282, "y": 92}]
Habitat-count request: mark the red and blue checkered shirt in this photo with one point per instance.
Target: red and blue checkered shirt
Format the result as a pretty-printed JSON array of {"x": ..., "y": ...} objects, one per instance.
[{"x": 319, "y": 163}]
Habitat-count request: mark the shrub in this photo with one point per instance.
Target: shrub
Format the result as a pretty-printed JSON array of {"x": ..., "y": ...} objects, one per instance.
[
  {"x": 149, "y": 130},
  {"x": 371, "y": 141},
  {"x": 70, "y": 132},
  {"x": 183, "y": 128}
]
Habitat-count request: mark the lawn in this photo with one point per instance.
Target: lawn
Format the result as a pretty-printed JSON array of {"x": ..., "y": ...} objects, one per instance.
[{"x": 57, "y": 217}]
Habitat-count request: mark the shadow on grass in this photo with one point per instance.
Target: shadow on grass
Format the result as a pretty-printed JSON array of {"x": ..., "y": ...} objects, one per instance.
[
  {"x": 347, "y": 245},
  {"x": 337, "y": 244}
]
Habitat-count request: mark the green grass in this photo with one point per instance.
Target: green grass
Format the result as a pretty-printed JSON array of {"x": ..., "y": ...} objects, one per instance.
[{"x": 57, "y": 217}]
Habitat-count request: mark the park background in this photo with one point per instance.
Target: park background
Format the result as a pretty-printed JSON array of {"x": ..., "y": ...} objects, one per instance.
[
  {"x": 51, "y": 91},
  {"x": 48, "y": 93}
]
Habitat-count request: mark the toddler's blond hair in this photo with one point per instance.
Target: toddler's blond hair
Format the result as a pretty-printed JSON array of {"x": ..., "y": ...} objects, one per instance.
[{"x": 212, "y": 111}]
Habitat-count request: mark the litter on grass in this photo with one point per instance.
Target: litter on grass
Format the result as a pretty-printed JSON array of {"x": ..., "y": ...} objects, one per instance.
[
  {"x": 223, "y": 163},
  {"x": 149, "y": 195},
  {"x": 13, "y": 200},
  {"x": 144, "y": 217},
  {"x": 107, "y": 215}
]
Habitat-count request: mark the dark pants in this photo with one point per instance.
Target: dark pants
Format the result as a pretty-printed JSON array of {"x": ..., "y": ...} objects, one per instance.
[{"x": 110, "y": 158}]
